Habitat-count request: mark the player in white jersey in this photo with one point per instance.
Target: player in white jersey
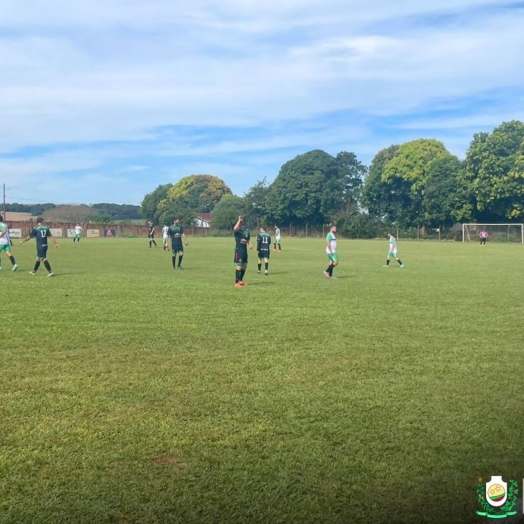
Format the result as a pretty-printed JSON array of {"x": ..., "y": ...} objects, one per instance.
[
  {"x": 392, "y": 253},
  {"x": 5, "y": 244},
  {"x": 165, "y": 237},
  {"x": 277, "y": 240},
  {"x": 78, "y": 233},
  {"x": 331, "y": 252}
]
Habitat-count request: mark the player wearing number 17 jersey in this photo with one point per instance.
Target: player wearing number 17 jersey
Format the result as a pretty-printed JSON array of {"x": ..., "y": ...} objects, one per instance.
[
  {"x": 264, "y": 250},
  {"x": 41, "y": 233}
]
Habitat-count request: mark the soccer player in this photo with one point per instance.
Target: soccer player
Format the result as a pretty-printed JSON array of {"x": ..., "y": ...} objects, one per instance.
[
  {"x": 393, "y": 251},
  {"x": 41, "y": 233},
  {"x": 263, "y": 249},
  {"x": 242, "y": 241},
  {"x": 277, "y": 240},
  {"x": 165, "y": 236},
  {"x": 151, "y": 234},
  {"x": 78, "y": 233},
  {"x": 5, "y": 244},
  {"x": 331, "y": 251},
  {"x": 483, "y": 237},
  {"x": 176, "y": 232}
]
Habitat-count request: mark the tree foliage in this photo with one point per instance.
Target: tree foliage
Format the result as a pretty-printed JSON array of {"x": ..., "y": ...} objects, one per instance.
[
  {"x": 198, "y": 192},
  {"x": 64, "y": 213},
  {"x": 494, "y": 175},
  {"x": 226, "y": 212},
  {"x": 314, "y": 188},
  {"x": 118, "y": 211},
  {"x": 151, "y": 202}
]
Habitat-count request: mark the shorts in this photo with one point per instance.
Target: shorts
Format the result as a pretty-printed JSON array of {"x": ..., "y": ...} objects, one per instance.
[
  {"x": 152, "y": 237},
  {"x": 333, "y": 257},
  {"x": 5, "y": 247},
  {"x": 392, "y": 255},
  {"x": 77, "y": 236},
  {"x": 164, "y": 239},
  {"x": 264, "y": 255},
  {"x": 240, "y": 257},
  {"x": 177, "y": 247},
  {"x": 41, "y": 253}
]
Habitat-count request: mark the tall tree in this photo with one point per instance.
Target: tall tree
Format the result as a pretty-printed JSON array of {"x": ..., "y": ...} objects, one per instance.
[
  {"x": 312, "y": 188},
  {"x": 151, "y": 202},
  {"x": 255, "y": 211},
  {"x": 226, "y": 212},
  {"x": 493, "y": 173}
]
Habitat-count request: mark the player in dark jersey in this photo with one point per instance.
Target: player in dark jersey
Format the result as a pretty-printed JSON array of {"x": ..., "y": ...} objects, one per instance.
[
  {"x": 263, "y": 250},
  {"x": 41, "y": 234},
  {"x": 151, "y": 234},
  {"x": 242, "y": 242},
  {"x": 177, "y": 235}
]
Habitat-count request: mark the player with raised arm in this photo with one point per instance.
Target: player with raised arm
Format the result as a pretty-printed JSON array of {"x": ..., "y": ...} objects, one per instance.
[
  {"x": 263, "y": 250},
  {"x": 78, "y": 233},
  {"x": 331, "y": 251},
  {"x": 41, "y": 233},
  {"x": 277, "y": 240},
  {"x": 5, "y": 244},
  {"x": 176, "y": 232},
  {"x": 393, "y": 251},
  {"x": 242, "y": 241},
  {"x": 165, "y": 238}
]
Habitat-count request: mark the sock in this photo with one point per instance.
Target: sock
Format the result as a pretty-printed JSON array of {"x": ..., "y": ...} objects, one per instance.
[
  {"x": 173, "y": 260},
  {"x": 154, "y": 243},
  {"x": 330, "y": 270},
  {"x": 266, "y": 265},
  {"x": 275, "y": 246},
  {"x": 387, "y": 262},
  {"x": 179, "y": 260},
  {"x": 237, "y": 276},
  {"x": 279, "y": 248},
  {"x": 260, "y": 266},
  {"x": 327, "y": 269},
  {"x": 242, "y": 273},
  {"x": 13, "y": 261},
  {"x": 37, "y": 265},
  {"x": 399, "y": 261},
  {"x": 48, "y": 266},
  {"x": 150, "y": 243}
]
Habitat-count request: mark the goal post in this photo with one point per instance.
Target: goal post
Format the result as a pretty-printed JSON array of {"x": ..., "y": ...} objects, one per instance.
[{"x": 495, "y": 232}]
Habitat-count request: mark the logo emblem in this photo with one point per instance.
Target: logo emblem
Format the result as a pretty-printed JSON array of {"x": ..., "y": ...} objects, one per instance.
[{"x": 496, "y": 499}]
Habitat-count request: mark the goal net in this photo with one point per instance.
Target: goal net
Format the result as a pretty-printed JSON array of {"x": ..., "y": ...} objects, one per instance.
[{"x": 493, "y": 232}]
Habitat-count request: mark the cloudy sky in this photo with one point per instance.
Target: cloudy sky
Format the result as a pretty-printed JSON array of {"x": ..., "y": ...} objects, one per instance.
[{"x": 103, "y": 100}]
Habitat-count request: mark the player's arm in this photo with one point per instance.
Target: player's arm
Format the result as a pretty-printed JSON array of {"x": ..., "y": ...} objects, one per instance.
[
  {"x": 238, "y": 224},
  {"x": 3, "y": 232},
  {"x": 328, "y": 246},
  {"x": 184, "y": 238},
  {"x": 259, "y": 242},
  {"x": 28, "y": 237},
  {"x": 53, "y": 239}
]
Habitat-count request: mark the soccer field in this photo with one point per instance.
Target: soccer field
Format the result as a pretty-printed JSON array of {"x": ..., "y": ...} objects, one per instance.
[{"x": 132, "y": 393}]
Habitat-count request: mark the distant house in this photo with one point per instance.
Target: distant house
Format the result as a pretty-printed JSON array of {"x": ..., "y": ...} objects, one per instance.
[{"x": 203, "y": 220}]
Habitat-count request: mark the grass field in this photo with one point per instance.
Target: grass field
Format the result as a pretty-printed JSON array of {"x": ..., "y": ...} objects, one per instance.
[{"x": 131, "y": 393}]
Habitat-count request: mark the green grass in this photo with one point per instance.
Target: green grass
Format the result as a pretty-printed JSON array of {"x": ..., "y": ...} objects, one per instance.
[{"x": 131, "y": 393}]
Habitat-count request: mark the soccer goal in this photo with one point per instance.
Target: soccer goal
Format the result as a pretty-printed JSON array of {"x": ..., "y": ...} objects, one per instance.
[{"x": 496, "y": 232}]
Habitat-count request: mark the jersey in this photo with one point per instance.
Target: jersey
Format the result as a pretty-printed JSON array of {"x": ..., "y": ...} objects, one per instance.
[
  {"x": 330, "y": 237},
  {"x": 41, "y": 234},
  {"x": 483, "y": 234},
  {"x": 263, "y": 242},
  {"x": 277, "y": 234},
  {"x": 151, "y": 232},
  {"x": 78, "y": 230},
  {"x": 165, "y": 231},
  {"x": 176, "y": 232},
  {"x": 4, "y": 239},
  {"x": 242, "y": 237},
  {"x": 393, "y": 245}
]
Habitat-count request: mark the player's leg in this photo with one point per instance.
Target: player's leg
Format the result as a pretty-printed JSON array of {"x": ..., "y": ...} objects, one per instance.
[
  {"x": 12, "y": 259},
  {"x": 279, "y": 246},
  {"x": 37, "y": 265},
  {"x": 180, "y": 257},
  {"x": 259, "y": 264},
  {"x": 173, "y": 256},
  {"x": 266, "y": 264},
  {"x": 329, "y": 269},
  {"x": 388, "y": 259}
]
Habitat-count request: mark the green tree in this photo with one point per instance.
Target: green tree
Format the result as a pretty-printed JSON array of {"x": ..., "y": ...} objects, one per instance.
[
  {"x": 226, "y": 212},
  {"x": 312, "y": 188},
  {"x": 493, "y": 173},
  {"x": 445, "y": 198},
  {"x": 377, "y": 195},
  {"x": 255, "y": 202},
  {"x": 198, "y": 192},
  {"x": 151, "y": 201}
]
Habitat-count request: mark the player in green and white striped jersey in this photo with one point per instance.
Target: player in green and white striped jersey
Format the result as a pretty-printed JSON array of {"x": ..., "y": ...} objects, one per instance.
[
  {"x": 331, "y": 251},
  {"x": 392, "y": 253}
]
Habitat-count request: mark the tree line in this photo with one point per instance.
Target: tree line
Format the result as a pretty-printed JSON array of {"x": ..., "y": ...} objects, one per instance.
[{"x": 410, "y": 185}]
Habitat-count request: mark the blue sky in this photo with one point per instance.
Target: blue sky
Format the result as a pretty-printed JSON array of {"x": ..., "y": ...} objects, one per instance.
[{"x": 103, "y": 100}]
